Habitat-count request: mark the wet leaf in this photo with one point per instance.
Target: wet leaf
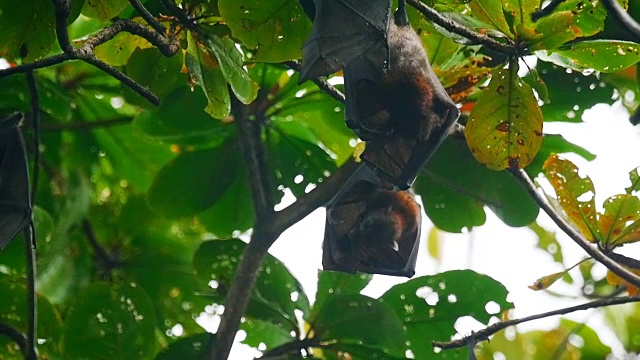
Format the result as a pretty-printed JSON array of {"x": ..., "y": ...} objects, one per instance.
[
  {"x": 505, "y": 126},
  {"x": 575, "y": 194},
  {"x": 607, "y": 56}
]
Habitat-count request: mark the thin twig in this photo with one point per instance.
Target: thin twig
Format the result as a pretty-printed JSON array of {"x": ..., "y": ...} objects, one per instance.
[
  {"x": 15, "y": 336},
  {"x": 287, "y": 348},
  {"x": 35, "y": 124},
  {"x": 546, "y": 10},
  {"x": 623, "y": 18},
  {"x": 578, "y": 238},
  {"x": 181, "y": 15},
  {"x": 84, "y": 125},
  {"x": 454, "y": 27},
  {"x": 32, "y": 305},
  {"x": 492, "y": 329},
  {"x": 320, "y": 82},
  {"x": 147, "y": 16}
]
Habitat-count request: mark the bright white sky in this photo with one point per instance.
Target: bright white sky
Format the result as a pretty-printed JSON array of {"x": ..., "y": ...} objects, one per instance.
[{"x": 507, "y": 254}]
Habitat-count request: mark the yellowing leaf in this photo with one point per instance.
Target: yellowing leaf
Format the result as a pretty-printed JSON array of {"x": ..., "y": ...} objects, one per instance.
[
  {"x": 620, "y": 210},
  {"x": 634, "y": 176},
  {"x": 615, "y": 280},
  {"x": 575, "y": 194},
  {"x": 546, "y": 281},
  {"x": 433, "y": 244},
  {"x": 505, "y": 126}
]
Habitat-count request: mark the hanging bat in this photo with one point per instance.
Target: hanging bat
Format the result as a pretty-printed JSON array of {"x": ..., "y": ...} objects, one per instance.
[
  {"x": 394, "y": 100},
  {"x": 371, "y": 229},
  {"x": 15, "y": 200}
]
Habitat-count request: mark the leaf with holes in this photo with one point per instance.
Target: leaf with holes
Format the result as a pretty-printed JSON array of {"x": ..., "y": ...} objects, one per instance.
[
  {"x": 575, "y": 194},
  {"x": 274, "y": 30},
  {"x": 602, "y": 55},
  {"x": 547, "y": 241},
  {"x": 552, "y": 31},
  {"x": 355, "y": 319},
  {"x": 276, "y": 295},
  {"x": 117, "y": 322},
  {"x": 634, "y": 176},
  {"x": 620, "y": 222},
  {"x": 430, "y": 306},
  {"x": 332, "y": 283},
  {"x": 505, "y": 126}
]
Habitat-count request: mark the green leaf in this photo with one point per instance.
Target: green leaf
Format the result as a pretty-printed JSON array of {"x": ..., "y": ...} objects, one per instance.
[
  {"x": 181, "y": 120},
  {"x": 191, "y": 348},
  {"x": 548, "y": 242},
  {"x": 448, "y": 209},
  {"x": 13, "y": 312},
  {"x": 552, "y": 31},
  {"x": 575, "y": 194},
  {"x": 206, "y": 72},
  {"x": 30, "y": 22},
  {"x": 359, "y": 319},
  {"x": 593, "y": 347},
  {"x": 296, "y": 157},
  {"x": 118, "y": 51},
  {"x": 520, "y": 11},
  {"x": 606, "y": 56},
  {"x": 620, "y": 222},
  {"x": 430, "y": 305},
  {"x": 103, "y": 9},
  {"x": 233, "y": 211},
  {"x": 555, "y": 144},
  {"x": 231, "y": 64},
  {"x": 332, "y": 283},
  {"x": 490, "y": 12},
  {"x": 110, "y": 321},
  {"x": 498, "y": 190},
  {"x": 156, "y": 72},
  {"x": 193, "y": 181},
  {"x": 276, "y": 295},
  {"x": 589, "y": 16},
  {"x": 12, "y": 257},
  {"x": 161, "y": 264},
  {"x": 634, "y": 176},
  {"x": 571, "y": 93},
  {"x": 505, "y": 127},
  {"x": 274, "y": 30}
]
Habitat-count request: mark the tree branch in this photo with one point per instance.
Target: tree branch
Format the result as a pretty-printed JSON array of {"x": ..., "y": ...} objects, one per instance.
[
  {"x": 167, "y": 47},
  {"x": 623, "y": 18},
  {"x": 286, "y": 348},
  {"x": 492, "y": 329},
  {"x": 578, "y": 238},
  {"x": 320, "y": 82},
  {"x": 15, "y": 336},
  {"x": 241, "y": 289},
  {"x": 147, "y": 16},
  {"x": 102, "y": 255},
  {"x": 456, "y": 28},
  {"x": 546, "y": 10}
]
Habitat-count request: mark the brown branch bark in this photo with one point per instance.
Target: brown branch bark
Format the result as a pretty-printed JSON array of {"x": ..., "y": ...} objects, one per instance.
[{"x": 492, "y": 329}]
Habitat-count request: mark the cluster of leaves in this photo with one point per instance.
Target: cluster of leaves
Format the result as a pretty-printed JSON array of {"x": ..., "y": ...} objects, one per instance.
[{"x": 130, "y": 192}]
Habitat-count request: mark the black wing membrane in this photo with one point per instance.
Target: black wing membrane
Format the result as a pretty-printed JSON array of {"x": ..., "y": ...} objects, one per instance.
[
  {"x": 345, "y": 31},
  {"x": 341, "y": 252},
  {"x": 15, "y": 200}
]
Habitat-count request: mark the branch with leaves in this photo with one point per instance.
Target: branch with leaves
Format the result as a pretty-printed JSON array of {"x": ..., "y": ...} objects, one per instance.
[
  {"x": 85, "y": 52},
  {"x": 485, "y": 333}
]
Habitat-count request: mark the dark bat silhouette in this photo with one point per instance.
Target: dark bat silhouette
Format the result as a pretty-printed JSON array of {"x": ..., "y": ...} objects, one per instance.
[
  {"x": 371, "y": 229},
  {"x": 393, "y": 98},
  {"x": 15, "y": 200}
]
